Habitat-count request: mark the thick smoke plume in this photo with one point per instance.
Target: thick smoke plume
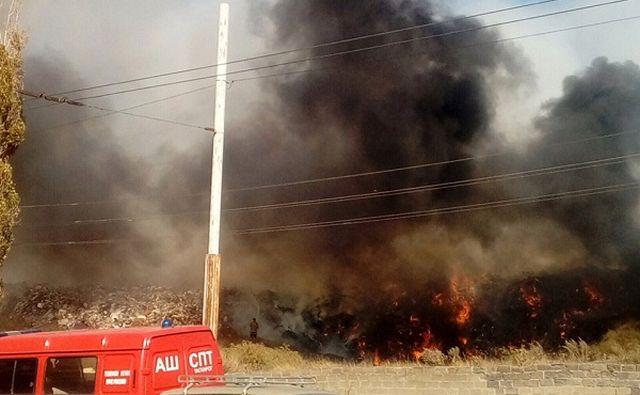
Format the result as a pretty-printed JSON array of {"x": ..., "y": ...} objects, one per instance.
[
  {"x": 602, "y": 100},
  {"x": 416, "y": 103},
  {"x": 543, "y": 272},
  {"x": 473, "y": 280}
]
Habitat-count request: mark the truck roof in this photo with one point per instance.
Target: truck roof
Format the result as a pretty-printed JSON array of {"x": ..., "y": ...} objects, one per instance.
[{"x": 89, "y": 340}]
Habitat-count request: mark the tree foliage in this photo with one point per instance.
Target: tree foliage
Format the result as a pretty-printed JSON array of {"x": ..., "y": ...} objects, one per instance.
[{"x": 12, "y": 133}]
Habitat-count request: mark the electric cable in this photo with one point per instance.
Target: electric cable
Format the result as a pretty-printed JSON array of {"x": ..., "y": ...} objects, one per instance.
[
  {"x": 359, "y": 50},
  {"x": 308, "y": 48}
]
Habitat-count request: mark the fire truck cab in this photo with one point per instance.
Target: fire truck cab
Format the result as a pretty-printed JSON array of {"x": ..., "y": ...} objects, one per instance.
[{"x": 114, "y": 361}]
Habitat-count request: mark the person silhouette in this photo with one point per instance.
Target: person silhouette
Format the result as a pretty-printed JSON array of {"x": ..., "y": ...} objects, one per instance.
[{"x": 253, "y": 329}]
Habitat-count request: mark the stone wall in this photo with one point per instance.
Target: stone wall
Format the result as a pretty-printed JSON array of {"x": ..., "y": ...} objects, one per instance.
[{"x": 544, "y": 379}]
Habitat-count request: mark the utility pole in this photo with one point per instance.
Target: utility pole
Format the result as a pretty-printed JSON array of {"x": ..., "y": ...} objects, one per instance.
[{"x": 211, "y": 297}]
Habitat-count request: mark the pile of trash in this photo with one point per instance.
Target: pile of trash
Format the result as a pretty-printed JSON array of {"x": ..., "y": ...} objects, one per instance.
[{"x": 52, "y": 308}]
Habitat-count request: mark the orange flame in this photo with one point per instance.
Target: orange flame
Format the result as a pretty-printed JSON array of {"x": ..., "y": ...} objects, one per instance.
[
  {"x": 417, "y": 354},
  {"x": 426, "y": 344},
  {"x": 532, "y": 298},
  {"x": 462, "y": 294},
  {"x": 376, "y": 358},
  {"x": 464, "y": 313}
]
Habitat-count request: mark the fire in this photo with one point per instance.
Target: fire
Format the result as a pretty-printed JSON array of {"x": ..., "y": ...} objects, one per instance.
[
  {"x": 376, "y": 358},
  {"x": 417, "y": 354},
  {"x": 566, "y": 324},
  {"x": 532, "y": 298},
  {"x": 593, "y": 294},
  {"x": 453, "y": 312},
  {"x": 438, "y": 299},
  {"x": 428, "y": 342},
  {"x": 462, "y": 294},
  {"x": 464, "y": 313}
]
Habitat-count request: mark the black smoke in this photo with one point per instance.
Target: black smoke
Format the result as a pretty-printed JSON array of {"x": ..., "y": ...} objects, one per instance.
[
  {"x": 425, "y": 101},
  {"x": 602, "y": 100},
  {"x": 431, "y": 101}
]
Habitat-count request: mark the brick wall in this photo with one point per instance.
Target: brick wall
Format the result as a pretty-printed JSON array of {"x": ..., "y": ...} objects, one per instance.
[{"x": 544, "y": 379}]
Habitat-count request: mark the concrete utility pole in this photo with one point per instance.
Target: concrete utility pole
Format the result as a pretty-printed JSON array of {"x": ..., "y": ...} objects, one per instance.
[{"x": 211, "y": 298}]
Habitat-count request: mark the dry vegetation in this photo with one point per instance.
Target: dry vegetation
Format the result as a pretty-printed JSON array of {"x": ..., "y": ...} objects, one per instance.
[
  {"x": 248, "y": 356},
  {"x": 619, "y": 345},
  {"x": 12, "y": 127}
]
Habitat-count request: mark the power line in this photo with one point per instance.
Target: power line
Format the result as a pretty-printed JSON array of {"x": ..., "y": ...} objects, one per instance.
[
  {"x": 308, "y": 48},
  {"x": 444, "y": 185},
  {"x": 347, "y": 176},
  {"x": 143, "y": 104},
  {"x": 100, "y": 202},
  {"x": 423, "y": 188},
  {"x": 152, "y": 118},
  {"x": 73, "y": 243},
  {"x": 133, "y": 219},
  {"x": 147, "y": 103},
  {"x": 423, "y": 165},
  {"x": 64, "y": 100},
  {"x": 581, "y": 193},
  {"x": 479, "y": 44},
  {"x": 358, "y": 50},
  {"x": 444, "y": 210},
  {"x": 117, "y": 220},
  {"x": 606, "y": 22}
]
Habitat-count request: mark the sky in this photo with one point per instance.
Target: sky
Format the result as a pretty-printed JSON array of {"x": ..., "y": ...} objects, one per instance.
[
  {"x": 556, "y": 56},
  {"x": 117, "y": 40}
]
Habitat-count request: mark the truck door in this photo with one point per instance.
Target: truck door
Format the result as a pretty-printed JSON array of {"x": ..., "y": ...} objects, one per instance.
[
  {"x": 70, "y": 375},
  {"x": 202, "y": 355},
  {"x": 118, "y": 374},
  {"x": 18, "y": 376},
  {"x": 166, "y": 363},
  {"x": 204, "y": 361}
]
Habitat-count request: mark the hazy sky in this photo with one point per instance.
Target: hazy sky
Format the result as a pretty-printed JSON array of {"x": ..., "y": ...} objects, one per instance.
[{"x": 109, "y": 41}]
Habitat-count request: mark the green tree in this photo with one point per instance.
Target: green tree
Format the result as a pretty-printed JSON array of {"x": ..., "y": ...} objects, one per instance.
[{"x": 12, "y": 133}]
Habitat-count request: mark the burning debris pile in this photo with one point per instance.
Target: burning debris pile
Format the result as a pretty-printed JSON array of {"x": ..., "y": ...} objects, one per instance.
[
  {"x": 72, "y": 308},
  {"x": 473, "y": 316}
]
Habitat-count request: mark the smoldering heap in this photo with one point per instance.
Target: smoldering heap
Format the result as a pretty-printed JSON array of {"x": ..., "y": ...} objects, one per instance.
[
  {"x": 475, "y": 280},
  {"x": 45, "y": 307}
]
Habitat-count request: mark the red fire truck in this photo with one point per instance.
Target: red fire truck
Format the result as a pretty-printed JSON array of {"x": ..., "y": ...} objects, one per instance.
[
  {"x": 116, "y": 361},
  {"x": 167, "y": 361}
]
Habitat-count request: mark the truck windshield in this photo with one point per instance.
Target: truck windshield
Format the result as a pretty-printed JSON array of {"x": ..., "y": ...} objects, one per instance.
[
  {"x": 70, "y": 375},
  {"x": 18, "y": 376}
]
